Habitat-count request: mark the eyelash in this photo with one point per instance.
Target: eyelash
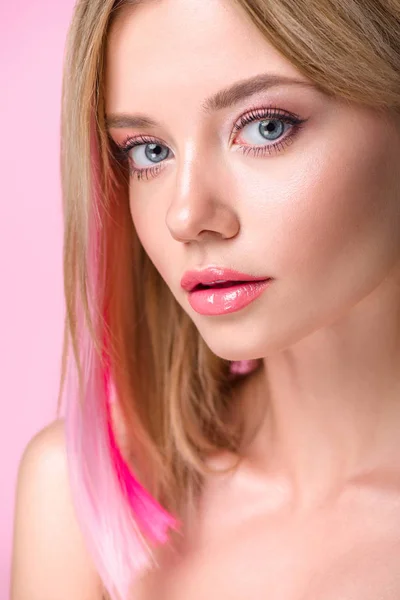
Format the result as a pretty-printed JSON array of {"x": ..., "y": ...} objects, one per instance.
[{"x": 255, "y": 114}]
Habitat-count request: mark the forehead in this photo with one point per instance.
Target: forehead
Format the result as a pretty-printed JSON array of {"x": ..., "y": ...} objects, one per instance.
[{"x": 185, "y": 49}]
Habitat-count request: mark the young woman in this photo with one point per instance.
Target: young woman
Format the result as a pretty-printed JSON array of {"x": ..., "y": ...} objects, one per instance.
[{"x": 231, "y": 372}]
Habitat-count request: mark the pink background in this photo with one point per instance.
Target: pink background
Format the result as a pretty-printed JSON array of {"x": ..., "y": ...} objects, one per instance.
[{"x": 32, "y": 37}]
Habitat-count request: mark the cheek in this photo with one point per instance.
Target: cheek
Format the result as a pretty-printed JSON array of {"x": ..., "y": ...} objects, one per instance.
[
  {"x": 337, "y": 216},
  {"x": 348, "y": 233},
  {"x": 153, "y": 234}
]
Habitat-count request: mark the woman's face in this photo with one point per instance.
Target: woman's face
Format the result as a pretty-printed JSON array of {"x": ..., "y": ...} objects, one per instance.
[{"x": 315, "y": 207}]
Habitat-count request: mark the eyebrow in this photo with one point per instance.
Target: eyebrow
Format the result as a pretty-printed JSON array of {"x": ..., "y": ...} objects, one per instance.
[{"x": 222, "y": 99}]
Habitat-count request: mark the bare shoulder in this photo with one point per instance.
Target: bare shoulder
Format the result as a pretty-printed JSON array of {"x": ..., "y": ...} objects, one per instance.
[{"x": 50, "y": 560}]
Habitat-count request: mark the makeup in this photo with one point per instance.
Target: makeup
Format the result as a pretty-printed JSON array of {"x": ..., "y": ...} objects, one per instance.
[{"x": 226, "y": 298}]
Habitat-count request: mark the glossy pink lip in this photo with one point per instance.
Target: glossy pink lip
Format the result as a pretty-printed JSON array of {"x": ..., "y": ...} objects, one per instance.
[
  {"x": 224, "y": 300},
  {"x": 235, "y": 291},
  {"x": 208, "y": 276}
]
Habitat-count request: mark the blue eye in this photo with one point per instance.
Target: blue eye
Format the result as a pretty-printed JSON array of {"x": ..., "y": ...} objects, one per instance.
[
  {"x": 269, "y": 130},
  {"x": 139, "y": 150},
  {"x": 152, "y": 152},
  {"x": 266, "y": 125}
]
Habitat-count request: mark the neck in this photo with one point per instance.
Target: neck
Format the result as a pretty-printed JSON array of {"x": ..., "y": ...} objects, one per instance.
[{"x": 331, "y": 403}]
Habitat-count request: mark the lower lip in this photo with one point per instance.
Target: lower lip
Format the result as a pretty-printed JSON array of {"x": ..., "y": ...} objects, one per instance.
[{"x": 221, "y": 301}]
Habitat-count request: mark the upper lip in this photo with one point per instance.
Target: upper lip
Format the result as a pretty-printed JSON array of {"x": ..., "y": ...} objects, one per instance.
[{"x": 210, "y": 275}]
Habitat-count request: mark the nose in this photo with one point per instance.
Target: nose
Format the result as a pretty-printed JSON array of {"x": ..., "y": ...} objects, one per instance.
[{"x": 200, "y": 207}]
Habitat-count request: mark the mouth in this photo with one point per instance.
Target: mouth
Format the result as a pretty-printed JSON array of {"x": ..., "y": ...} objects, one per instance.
[
  {"x": 217, "y": 278},
  {"x": 223, "y": 297}
]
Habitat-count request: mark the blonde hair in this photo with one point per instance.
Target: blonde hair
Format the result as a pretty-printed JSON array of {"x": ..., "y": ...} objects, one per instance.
[{"x": 174, "y": 394}]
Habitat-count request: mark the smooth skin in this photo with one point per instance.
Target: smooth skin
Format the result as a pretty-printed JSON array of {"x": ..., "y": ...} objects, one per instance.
[
  {"x": 50, "y": 560},
  {"x": 313, "y": 511}
]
